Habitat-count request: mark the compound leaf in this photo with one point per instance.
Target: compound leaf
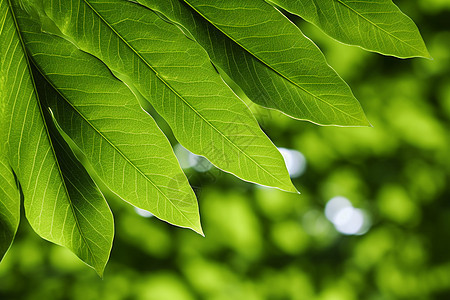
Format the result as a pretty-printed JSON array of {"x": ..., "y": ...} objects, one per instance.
[
  {"x": 275, "y": 64},
  {"x": 176, "y": 76},
  {"x": 102, "y": 116}
]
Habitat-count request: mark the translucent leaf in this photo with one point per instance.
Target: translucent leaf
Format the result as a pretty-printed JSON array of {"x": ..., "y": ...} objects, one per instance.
[
  {"x": 53, "y": 183},
  {"x": 122, "y": 142},
  {"x": 268, "y": 57},
  {"x": 376, "y": 25},
  {"x": 9, "y": 206},
  {"x": 175, "y": 74}
]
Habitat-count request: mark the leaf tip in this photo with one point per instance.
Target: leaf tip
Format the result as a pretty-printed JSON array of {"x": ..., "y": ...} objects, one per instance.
[
  {"x": 427, "y": 55},
  {"x": 290, "y": 188},
  {"x": 423, "y": 53},
  {"x": 198, "y": 229},
  {"x": 100, "y": 270},
  {"x": 196, "y": 226},
  {"x": 362, "y": 122},
  {"x": 100, "y": 273},
  {"x": 367, "y": 123}
]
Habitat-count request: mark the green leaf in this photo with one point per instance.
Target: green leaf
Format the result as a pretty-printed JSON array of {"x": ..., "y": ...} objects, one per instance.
[
  {"x": 123, "y": 143},
  {"x": 9, "y": 192},
  {"x": 376, "y": 25},
  {"x": 9, "y": 205},
  {"x": 175, "y": 74},
  {"x": 91, "y": 213},
  {"x": 53, "y": 183},
  {"x": 268, "y": 57}
]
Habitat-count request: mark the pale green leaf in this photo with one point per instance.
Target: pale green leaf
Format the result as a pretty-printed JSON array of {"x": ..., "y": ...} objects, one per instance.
[
  {"x": 122, "y": 142},
  {"x": 53, "y": 184},
  {"x": 375, "y": 25},
  {"x": 176, "y": 76},
  {"x": 285, "y": 70}
]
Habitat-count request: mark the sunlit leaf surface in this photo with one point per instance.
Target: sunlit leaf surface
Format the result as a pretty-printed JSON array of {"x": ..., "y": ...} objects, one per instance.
[
  {"x": 94, "y": 93},
  {"x": 9, "y": 207},
  {"x": 122, "y": 142},
  {"x": 62, "y": 204},
  {"x": 176, "y": 76},
  {"x": 269, "y": 58},
  {"x": 376, "y": 25}
]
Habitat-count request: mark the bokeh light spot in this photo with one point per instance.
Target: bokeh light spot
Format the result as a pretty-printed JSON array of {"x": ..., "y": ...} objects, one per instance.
[
  {"x": 143, "y": 212},
  {"x": 295, "y": 162},
  {"x": 345, "y": 218}
]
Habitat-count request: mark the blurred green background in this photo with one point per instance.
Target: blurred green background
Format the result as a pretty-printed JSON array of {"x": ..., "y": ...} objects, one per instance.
[{"x": 373, "y": 220}]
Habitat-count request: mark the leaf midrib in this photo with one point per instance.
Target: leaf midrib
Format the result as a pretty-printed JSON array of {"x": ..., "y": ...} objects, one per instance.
[
  {"x": 49, "y": 137},
  {"x": 270, "y": 67},
  {"x": 114, "y": 147},
  {"x": 179, "y": 96}
]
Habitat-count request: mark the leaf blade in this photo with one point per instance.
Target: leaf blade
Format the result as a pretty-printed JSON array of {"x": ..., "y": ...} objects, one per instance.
[
  {"x": 30, "y": 151},
  {"x": 103, "y": 118},
  {"x": 9, "y": 193},
  {"x": 92, "y": 215},
  {"x": 284, "y": 80},
  {"x": 9, "y": 206},
  {"x": 378, "y": 26},
  {"x": 182, "y": 84}
]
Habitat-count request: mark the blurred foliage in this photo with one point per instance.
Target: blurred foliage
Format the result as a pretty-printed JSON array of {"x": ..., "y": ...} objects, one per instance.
[{"x": 266, "y": 244}]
